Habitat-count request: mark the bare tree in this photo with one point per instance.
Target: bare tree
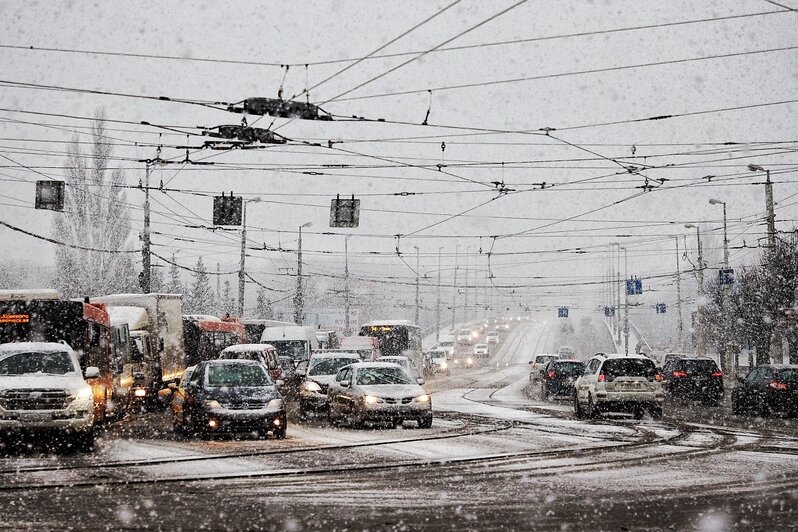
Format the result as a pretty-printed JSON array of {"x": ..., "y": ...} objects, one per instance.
[{"x": 95, "y": 216}]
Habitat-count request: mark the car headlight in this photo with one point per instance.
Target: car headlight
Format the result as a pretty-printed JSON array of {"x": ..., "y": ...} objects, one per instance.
[
  {"x": 312, "y": 386},
  {"x": 372, "y": 400},
  {"x": 470, "y": 360},
  {"x": 275, "y": 404},
  {"x": 83, "y": 394},
  {"x": 444, "y": 365},
  {"x": 213, "y": 404},
  {"x": 423, "y": 398}
]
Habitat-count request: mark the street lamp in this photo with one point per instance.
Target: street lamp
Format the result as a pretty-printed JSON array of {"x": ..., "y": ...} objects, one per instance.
[
  {"x": 299, "y": 309},
  {"x": 241, "y": 272},
  {"x": 771, "y": 215},
  {"x": 725, "y": 238},
  {"x": 438, "y": 305},
  {"x": 702, "y": 345}
]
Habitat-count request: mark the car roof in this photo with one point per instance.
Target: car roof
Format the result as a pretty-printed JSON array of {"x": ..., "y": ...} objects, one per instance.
[
  {"x": 334, "y": 354},
  {"x": 35, "y": 346},
  {"x": 612, "y": 356},
  {"x": 393, "y": 357},
  {"x": 366, "y": 365},
  {"x": 243, "y": 348},
  {"x": 232, "y": 361}
]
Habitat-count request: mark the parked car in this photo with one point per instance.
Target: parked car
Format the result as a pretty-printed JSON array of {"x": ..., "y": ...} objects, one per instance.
[
  {"x": 321, "y": 370},
  {"x": 481, "y": 350},
  {"x": 263, "y": 353},
  {"x": 693, "y": 378},
  {"x": 559, "y": 376},
  {"x": 767, "y": 390},
  {"x": 378, "y": 391},
  {"x": 538, "y": 365},
  {"x": 619, "y": 383},
  {"x": 405, "y": 363},
  {"x": 228, "y": 396},
  {"x": 492, "y": 337},
  {"x": 43, "y": 391}
]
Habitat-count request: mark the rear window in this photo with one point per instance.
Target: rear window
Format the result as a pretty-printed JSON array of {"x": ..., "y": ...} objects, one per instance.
[
  {"x": 788, "y": 375},
  {"x": 544, "y": 359},
  {"x": 329, "y": 366},
  {"x": 697, "y": 366},
  {"x": 569, "y": 369},
  {"x": 628, "y": 367},
  {"x": 238, "y": 375}
]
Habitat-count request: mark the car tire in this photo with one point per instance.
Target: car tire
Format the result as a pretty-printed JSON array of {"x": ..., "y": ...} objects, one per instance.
[
  {"x": 578, "y": 412},
  {"x": 425, "y": 422},
  {"x": 592, "y": 410},
  {"x": 765, "y": 410},
  {"x": 357, "y": 421},
  {"x": 656, "y": 412},
  {"x": 83, "y": 441},
  {"x": 280, "y": 433},
  {"x": 737, "y": 408}
]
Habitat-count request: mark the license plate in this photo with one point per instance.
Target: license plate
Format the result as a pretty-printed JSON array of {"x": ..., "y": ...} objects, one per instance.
[{"x": 35, "y": 416}]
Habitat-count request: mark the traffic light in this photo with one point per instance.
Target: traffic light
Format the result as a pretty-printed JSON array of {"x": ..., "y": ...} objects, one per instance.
[
  {"x": 345, "y": 212},
  {"x": 726, "y": 276},
  {"x": 609, "y": 311},
  {"x": 634, "y": 286},
  {"x": 562, "y": 312},
  {"x": 50, "y": 195},
  {"x": 227, "y": 209},
  {"x": 661, "y": 308}
]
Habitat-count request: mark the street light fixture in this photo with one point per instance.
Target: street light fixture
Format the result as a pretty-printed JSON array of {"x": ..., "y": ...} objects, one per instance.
[
  {"x": 241, "y": 271},
  {"x": 299, "y": 305},
  {"x": 771, "y": 215},
  {"x": 730, "y": 358}
]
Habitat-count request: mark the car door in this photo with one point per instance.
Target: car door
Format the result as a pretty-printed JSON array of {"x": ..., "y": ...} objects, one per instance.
[
  {"x": 343, "y": 394},
  {"x": 193, "y": 388},
  {"x": 746, "y": 396},
  {"x": 582, "y": 385}
]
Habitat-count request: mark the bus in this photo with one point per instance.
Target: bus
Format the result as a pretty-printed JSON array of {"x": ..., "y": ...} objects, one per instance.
[
  {"x": 396, "y": 337},
  {"x": 205, "y": 337},
  {"x": 42, "y": 316}
]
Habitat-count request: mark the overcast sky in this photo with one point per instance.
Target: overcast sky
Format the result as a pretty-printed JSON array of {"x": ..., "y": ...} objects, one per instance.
[{"x": 566, "y": 68}]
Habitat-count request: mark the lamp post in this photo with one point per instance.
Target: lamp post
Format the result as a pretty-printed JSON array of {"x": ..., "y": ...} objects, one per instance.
[
  {"x": 725, "y": 237},
  {"x": 680, "y": 324},
  {"x": 418, "y": 282},
  {"x": 438, "y": 305},
  {"x": 770, "y": 214},
  {"x": 241, "y": 271},
  {"x": 625, "y": 303},
  {"x": 347, "y": 325},
  {"x": 299, "y": 304},
  {"x": 701, "y": 346},
  {"x": 454, "y": 290}
]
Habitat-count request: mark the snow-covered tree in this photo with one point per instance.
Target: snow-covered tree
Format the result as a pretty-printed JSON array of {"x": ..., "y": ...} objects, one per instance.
[
  {"x": 263, "y": 309},
  {"x": 228, "y": 304},
  {"x": 95, "y": 216},
  {"x": 174, "y": 285},
  {"x": 200, "y": 296}
]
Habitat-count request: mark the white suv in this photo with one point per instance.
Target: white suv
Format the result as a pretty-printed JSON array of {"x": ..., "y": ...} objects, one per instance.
[{"x": 619, "y": 383}]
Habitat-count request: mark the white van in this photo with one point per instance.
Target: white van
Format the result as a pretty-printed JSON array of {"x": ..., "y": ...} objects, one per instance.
[{"x": 296, "y": 341}]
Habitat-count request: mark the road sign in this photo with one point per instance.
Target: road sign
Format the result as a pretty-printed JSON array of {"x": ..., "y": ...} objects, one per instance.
[
  {"x": 634, "y": 286},
  {"x": 344, "y": 212},
  {"x": 50, "y": 195},
  {"x": 662, "y": 308},
  {"x": 726, "y": 276},
  {"x": 562, "y": 312},
  {"x": 609, "y": 311}
]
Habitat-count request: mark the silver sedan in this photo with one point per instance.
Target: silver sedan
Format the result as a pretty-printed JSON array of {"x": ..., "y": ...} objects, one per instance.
[{"x": 378, "y": 391}]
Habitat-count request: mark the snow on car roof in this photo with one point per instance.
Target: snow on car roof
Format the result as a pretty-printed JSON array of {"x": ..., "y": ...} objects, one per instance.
[
  {"x": 334, "y": 354},
  {"x": 366, "y": 365},
  {"x": 34, "y": 346},
  {"x": 244, "y": 348}
]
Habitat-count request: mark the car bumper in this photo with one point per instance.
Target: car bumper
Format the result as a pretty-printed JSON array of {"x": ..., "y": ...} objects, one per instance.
[
  {"x": 628, "y": 397},
  {"x": 313, "y": 400},
  {"x": 381, "y": 411},
  {"x": 695, "y": 390},
  {"x": 61, "y": 420},
  {"x": 250, "y": 420}
]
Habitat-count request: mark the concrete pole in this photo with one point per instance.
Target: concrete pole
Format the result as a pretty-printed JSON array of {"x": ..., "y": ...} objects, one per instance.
[
  {"x": 680, "y": 325},
  {"x": 438, "y": 303},
  {"x": 241, "y": 280},
  {"x": 771, "y": 215},
  {"x": 145, "y": 248},
  {"x": 418, "y": 283},
  {"x": 626, "y": 305},
  {"x": 454, "y": 290},
  {"x": 347, "y": 325}
]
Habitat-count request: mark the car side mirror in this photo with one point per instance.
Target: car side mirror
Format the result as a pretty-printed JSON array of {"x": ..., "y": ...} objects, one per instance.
[
  {"x": 279, "y": 382},
  {"x": 420, "y": 381},
  {"x": 344, "y": 384},
  {"x": 92, "y": 372}
]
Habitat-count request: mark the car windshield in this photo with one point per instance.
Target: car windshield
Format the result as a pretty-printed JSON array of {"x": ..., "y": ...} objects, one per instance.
[
  {"x": 296, "y": 349},
  {"x": 568, "y": 369},
  {"x": 628, "y": 367},
  {"x": 237, "y": 375},
  {"x": 788, "y": 375},
  {"x": 544, "y": 359},
  {"x": 698, "y": 366},
  {"x": 329, "y": 366},
  {"x": 31, "y": 362},
  {"x": 400, "y": 361},
  {"x": 241, "y": 355},
  {"x": 372, "y": 376}
]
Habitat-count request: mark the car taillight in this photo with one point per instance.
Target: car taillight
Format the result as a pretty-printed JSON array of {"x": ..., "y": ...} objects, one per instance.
[
  {"x": 679, "y": 373},
  {"x": 552, "y": 374},
  {"x": 602, "y": 378},
  {"x": 716, "y": 374},
  {"x": 778, "y": 385}
]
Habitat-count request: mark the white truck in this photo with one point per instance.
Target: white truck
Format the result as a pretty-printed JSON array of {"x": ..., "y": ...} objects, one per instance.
[
  {"x": 296, "y": 341},
  {"x": 158, "y": 355}
]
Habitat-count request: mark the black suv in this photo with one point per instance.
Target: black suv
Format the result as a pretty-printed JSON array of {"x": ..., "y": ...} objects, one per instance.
[
  {"x": 558, "y": 378},
  {"x": 767, "y": 390},
  {"x": 698, "y": 379}
]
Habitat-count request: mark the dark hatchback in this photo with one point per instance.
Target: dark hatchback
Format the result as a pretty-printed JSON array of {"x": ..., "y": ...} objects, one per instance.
[
  {"x": 229, "y": 396},
  {"x": 559, "y": 376},
  {"x": 767, "y": 390},
  {"x": 697, "y": 379}
]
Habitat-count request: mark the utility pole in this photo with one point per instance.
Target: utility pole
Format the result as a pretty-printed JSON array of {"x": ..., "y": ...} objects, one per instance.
[
  {"x": 145, "y": 247},
  {"x": 299, "y": 304},
  {"x": 618, "y": 292},
  {"x": 347, "y": 325},
  {"x": 454, "y": 297},
  {"x": 730, "y": 355},
  {"x": 771, "y": 215},
  {"x": 438, "y": 305},
  {"x": 701, "y": 347},
  {"x": 465, "y": 286},
  {"x": 680, "y": 324},
  {"x": 418, "y": 282},
  {"x": 626, "y": 304},
  {"x": 241, "y": 271}
]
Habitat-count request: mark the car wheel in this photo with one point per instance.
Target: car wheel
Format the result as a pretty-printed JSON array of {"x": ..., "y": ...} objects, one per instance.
[
  {"x": 592, "y": 410},
  {"x": 764, "y": 409},
  {"x": 280, "y": 433},
  {"x": 578, "y": 412},
  {"x": 356, "y": 421},
  {"x": 737, "y": 408},
  {"x": 656, "y": 412},
  {"x": 425, "y": 422}
]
